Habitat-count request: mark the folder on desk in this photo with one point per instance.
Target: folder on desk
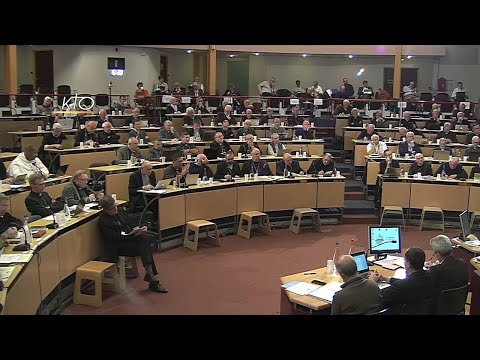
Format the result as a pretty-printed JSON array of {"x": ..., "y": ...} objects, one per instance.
[{"x": 326, "y": 292}]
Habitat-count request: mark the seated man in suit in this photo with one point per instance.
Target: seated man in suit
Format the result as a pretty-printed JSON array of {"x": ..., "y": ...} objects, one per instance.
[
  {"x": 247, "y": 129},
  {"x": 178, "y": 170},
  {"x": 108, "y": 136},
  {"x": 201, "y": 167},
  {"x": 378, "y": 120},
  {"x": 326, "y": 166},
  {"x": 295, "y": 119},
  {"x": 461, "y": 109},
  {"x": 113, "y": 223},
  {"x": 247, "y": 147},
  {"x": 4, "y": 178},
  {"x": 189, "y": 117},
  {"x": 200, "y": 106},
  {"x": 412, "y": 295},
  {"x": 268, "y": 118},
  {"x": 452, "y": 170},
  {"x": 226, "y": 115},
  {"x": 275, "y": 145},
  {"x": 420, "y": 166},
  {"x": 220, "y": 145},
  {"x": 168, "y": 132},
  {"x": 52, "y": 140},
  {"x": 197, "y": 133},
  {"x": 344, "y": 108},
  {"x": 77, "y": 189},
  {"x": 141, "y": 179},
  {"x": 366, "y": 134},
  {"x": 155, "y": 153},
  {"x": 175, "y": 106},
  {"x": 462, "y": 120},
  {"x": 305, "y": 131},
  {"x": 7, "y": 229},
  {"x": 434, "y": 122},
  {"x": 88, "y": 134},
  {"x": 447, "y": 134},
  {"x": 376, "y": 147},
  {"x": 39, "y": 202},
  {"x": 388, "y": 162},
  {"x": 442, "y": 146},
  {"x": 358, "y": 296},
  {"x": 256, "y": 166},
  {"x": 102, "y": 118},
  {"x": 129, "y": 152},
  {"x": 289, "y": 167},
  {"x": 138, "y": 133},
  {"x": 409, "y": 146},
  {"x": 226, "y": 131},
  {"x": 475, "y": 170},
  {"x": 28, "y": 163},
  {"x": 446, "y": 271},
  {"x": 406, "y": 122},
  {"x": 185, "y": 147},
  {"x": 277, "y": 128},
  {"x": 473, "y": 150},
  {"x": 229, "y": 168},
  {"x": 355, "y": 119},
  {"x": 475, "y": 132}
]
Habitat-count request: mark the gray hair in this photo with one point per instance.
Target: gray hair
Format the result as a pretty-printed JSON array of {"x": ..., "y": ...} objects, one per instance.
[
  {"x": 78, "y": 173},
  {"x": 375, "y": 136},
  {"x": 441, "y": 244},
  {"x": 475, "y": 138},
  {"x": 106, "y": 202},
  {"x": 35, "y": 177},
  {"x": 57, "y": 126}
]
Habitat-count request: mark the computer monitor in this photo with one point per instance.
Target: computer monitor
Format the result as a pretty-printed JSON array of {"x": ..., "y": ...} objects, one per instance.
[
  {"x": 384, "y": 240},
  {"x": 465, "y": 224}
]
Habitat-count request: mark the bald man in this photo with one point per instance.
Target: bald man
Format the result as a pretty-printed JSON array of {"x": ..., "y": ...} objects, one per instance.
[
  {"x": 358, "y": 296},
  {"x": 452, "y": 170},
  {"x": 201, "y": 167},
  {"x": 256, "y": 166},
  {"x": 142, "y": 179},
  {"x": 289, "y": 167}
]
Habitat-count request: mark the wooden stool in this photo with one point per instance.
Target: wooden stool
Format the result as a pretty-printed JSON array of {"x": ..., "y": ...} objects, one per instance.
[
  {"x": 95, "y": 271},
  {"x": 392, "y": 210},
  {"x": 263, "y": 223},
  {"x": 195, "y": 226},
  {"x": 123, "y": 263},
  {"x": 474, "y": 215},
  {"x": 434, "y": 210},
  {"x": 298, "y": 214}
]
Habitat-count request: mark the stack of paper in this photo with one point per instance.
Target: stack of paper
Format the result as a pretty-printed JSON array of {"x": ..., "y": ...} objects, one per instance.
[
  {"x": 15, "y": 258},
  {"x": 473, "y": 242},
  {"x": 327, "y": 291},
  {"x": 302, "y": 288},
  {"x": 5, "y": 273}
]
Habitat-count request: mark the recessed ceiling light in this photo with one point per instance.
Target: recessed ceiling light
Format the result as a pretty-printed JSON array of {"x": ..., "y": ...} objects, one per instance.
[
  {"x": 189, "y": 51},
  {"x": 409, "y": 57},
  {"x": 231, "y": 55},
  {"x": 305, "y": 55},
  {"x": 256, "y": 54},
  {"x": 350, "y": 56},
  {"x": 403, "y": 59}
]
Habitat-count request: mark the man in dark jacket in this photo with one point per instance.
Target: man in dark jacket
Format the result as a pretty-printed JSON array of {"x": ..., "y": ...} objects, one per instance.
[
  {"x": 39, "y": 202},
  {"x": 288, "y": 166},
  {"x": 120, "y": 239},
  {"x": 229, "y": 168},
  {"x": 142, "y": 179}
]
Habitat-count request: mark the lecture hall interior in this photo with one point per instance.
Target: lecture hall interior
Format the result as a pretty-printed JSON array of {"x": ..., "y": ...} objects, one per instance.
[{"x": 239, "y": 180}]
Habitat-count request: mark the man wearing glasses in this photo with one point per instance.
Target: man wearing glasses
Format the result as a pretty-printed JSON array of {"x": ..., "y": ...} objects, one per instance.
[
  {"x": 121, "y": 239},
  {"x": 39, "y": 202}
]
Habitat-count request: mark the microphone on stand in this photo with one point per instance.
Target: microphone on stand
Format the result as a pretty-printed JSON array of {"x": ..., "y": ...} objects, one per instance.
[
  {"x": 53, "y": 225},
  {"x": 39, "y": 170},
  {"x": 21, "y": 247},
  {"x": 315, "y": 174}
]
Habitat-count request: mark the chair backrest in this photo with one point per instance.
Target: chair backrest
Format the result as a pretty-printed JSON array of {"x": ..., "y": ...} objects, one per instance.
[
  {"x": 101, "y": 99},
  {"x": 43, "y": 90},
  {"x": 25, "y": 89},
  {"x": 23, "y": 100},
  {"x": 426, "y": 96},
  {"x": 284, "y": 92},
  {"x": 63, "y": 90},
  {"x": 452, "y": 301},
  {"x": 4, "y": 100},
  {"x": 441, "y": 96},
  {"x": 375, "y": 106}
]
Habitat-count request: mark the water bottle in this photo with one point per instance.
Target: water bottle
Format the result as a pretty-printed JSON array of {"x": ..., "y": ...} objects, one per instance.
[
  {"x": 352, "y": 247},
  {"x": 66, "y": 209},
  {"x": 28, "y": 233}
]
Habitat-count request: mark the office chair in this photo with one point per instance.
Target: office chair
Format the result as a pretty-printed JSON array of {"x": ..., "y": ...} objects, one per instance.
[
  {"x": 452, "y": 301},
  {"x": 4, "y": 104},
  {"x": 426, "y": 96},
  {"x": 358, "y": 104},
  {"x": 44, "y": 91},
  {"x": 24, "y": 100},
  {"x": 444, "y": 97},
  {"x": 101, "y": 100},
  {"x": 26, "y": 89},
  {"x": 63, "y": 90}
]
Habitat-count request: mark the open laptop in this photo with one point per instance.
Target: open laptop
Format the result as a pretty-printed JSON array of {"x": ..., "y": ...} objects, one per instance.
[
  {"x": 392, "y": 172},
  {"x": 362, "y": 264},
  {"x": 144, "y": 123},
  {"x": 79, "y": 209},
  {"x": 191, "y": 179},
  {"x": 441, "y": 155},
  {"x": 67, "y": 123},
  {"x": 162, "y": 184},
  {"x": 68, "y": 143},
  {"x": 461, "y": 127},
  {"x": 460, "y": 96},
  {"x": 60, "y": 172}
]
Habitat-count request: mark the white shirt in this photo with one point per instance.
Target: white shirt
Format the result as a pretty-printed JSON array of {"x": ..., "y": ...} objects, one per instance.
[
  {"x": 408, "y": 91},
  {"x": 200, "y": 86},
  {"x": 318, "y": 90},
  {"x": 299, "y": 90},
  {"x": 20, "y": 165},
  {"x": 272, "y": 151},
  {"x": 377, "y": 149},
  {"x": 264, "y": 86},
  {"x": 457, "y": 89}
]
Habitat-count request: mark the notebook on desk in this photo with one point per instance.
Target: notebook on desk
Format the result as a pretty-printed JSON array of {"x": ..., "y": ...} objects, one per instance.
[{"x": 392, "y": 172}]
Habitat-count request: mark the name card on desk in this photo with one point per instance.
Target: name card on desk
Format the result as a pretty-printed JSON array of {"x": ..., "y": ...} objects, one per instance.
[
  {"x": 166, "y": 99},
  {"x": 294, "y": 101},
  {"x": 317, "y": 101},
  {"x": 228, "y": 100},
  {"x": 402, "y": 104},
  {"x": 186, "y": 100}
]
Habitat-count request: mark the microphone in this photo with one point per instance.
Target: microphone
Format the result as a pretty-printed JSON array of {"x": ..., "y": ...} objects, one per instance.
[
  {"x": 39, "y": 170},
  {"x": 53, "y": 225},
  {"x": 21, "y": 247},
  {"x": 315, "y": 169}
]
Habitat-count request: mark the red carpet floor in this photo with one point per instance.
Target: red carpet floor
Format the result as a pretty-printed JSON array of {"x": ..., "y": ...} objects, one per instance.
[{"x": 240, "y": 277}]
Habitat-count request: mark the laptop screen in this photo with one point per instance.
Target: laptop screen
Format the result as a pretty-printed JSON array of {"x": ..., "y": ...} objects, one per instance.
[{"x": 361, "y": 260}]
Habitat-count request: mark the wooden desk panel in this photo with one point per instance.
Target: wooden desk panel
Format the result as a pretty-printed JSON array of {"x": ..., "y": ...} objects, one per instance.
[
  {"x": 250, "y": 198},
  {"x": 78, "y": 246},
  {"x": 23, "y": 296},
  {"x": 359, "y": 155},
  {"x": 49, "y": 268},
  {"x": 396, "y": 194},
  {"x": 474, "y": 199},
  {"x": 118, "y": 184},
  {"x": 13, "y": 125},
  {"x": 330, "y": 194},
  {"x": 84, "y": 160},
  {"x": 446, "y": 197},
  {"x": 171, "y": 211},
  {"x": 312, "y": 149},
  {"x": 211, "y": 204},
  {"x": 159, "y": 173},
  {"x": 285, "y": 196}
]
